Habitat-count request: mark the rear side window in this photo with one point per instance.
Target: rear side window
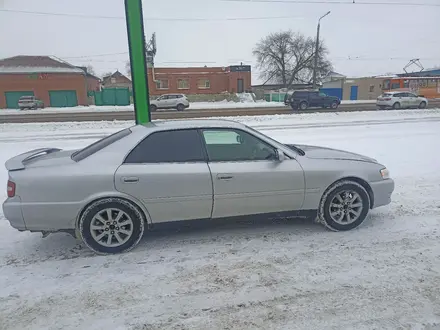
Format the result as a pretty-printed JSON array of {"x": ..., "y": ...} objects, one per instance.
[
  {"x": 99, "y": 145},
  {"x": 180, "y": 146}
]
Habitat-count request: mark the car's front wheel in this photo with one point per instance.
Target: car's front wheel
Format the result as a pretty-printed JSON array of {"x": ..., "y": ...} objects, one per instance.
[
  {"x": 153, "y": 108},
  {"x": 344, "y": 206},
  {"x": 334, "y": 105},
  {"x": 110, "y": 226}
]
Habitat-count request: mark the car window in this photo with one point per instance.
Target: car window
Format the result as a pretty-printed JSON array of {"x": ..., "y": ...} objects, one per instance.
[
  {"x": 322, "y": 94},
  {"x": 226, "y": 145},
  {"x": 99, "y": 145},
  {"x": 412, "y": 95},
  {"x": 163, "y": 97},
  {"x": 178, "y": 146}
]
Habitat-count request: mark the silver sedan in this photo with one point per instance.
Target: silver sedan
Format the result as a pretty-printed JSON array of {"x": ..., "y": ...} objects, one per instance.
[{"x": 108, "y": 192}]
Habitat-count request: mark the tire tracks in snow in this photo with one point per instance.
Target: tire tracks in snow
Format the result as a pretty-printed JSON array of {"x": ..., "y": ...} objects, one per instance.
[{"x": 91, "y": 135}]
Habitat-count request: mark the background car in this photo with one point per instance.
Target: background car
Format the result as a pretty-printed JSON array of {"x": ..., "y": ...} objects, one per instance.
[
  {"x": 400, "y": 100},
  {"x": 304, "y": 99},
  {"x": 30, "y": 102},
  {"x": 170, "y": 101},
  {"x": 186, "y": 170}
]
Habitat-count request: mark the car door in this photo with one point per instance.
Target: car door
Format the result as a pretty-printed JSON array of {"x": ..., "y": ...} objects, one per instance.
[
  {"x": 413, "y": 100},
  {"x": 247, "y": 178},
  {"x": 315, "y": 99},
  {"x": 163, "y": 102},
  {"x": 403, "y": 99},
  {"x": 169, "y": 174}
]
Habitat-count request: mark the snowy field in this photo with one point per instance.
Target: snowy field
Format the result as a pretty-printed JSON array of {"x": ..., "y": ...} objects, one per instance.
[
  {"x": 284, "y": 275},
  {"x": 193, "y": 106}
]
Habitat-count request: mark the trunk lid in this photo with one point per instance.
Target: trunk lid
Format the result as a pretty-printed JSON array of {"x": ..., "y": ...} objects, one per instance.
[{"x": 39, "y": 157}]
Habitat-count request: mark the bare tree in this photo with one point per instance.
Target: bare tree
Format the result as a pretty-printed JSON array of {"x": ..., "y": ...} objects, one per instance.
[
  {"x": 287, "y": 58},
  {"x": 107, "y": 74},
  {"x": 91, "y": 70},
  {"x": 128, "y": 68}
]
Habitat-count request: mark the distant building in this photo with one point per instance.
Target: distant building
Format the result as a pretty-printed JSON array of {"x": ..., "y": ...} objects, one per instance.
[
  {"x": 200, "y": 80},
  {"x": 116, "y": 80},
  {"x": 55, "y": 82},
  {"x": 93, "y": 82},
  {"x": 365, "y": 88}
]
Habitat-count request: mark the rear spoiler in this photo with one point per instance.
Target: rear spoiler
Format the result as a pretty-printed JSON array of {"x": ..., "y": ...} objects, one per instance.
[{"x": 19, "y": 162}]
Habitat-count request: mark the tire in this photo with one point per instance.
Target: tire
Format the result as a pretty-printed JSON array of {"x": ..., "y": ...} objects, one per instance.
[
  {"x": 153, "y": 108},
  {"x": 180, "y": 107},
  {"x": 328, "y": 214},
  {"x": 422, "y": 105},
  {"x": 396, "y": 106},
  {"x": 334, "y": 105},
  {"x": 303, "y": 105},
  {"x": 122, "y": 212}
]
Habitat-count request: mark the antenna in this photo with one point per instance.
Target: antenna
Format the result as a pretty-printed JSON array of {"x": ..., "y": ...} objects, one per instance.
[
  {"x": 151, "y": 50},
  {"x": 415, "y": 61}
]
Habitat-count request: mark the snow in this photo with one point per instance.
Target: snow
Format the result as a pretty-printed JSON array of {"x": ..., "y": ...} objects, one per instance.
[
  {"x": 248, "y": 275},
  {"x": 246, "y": 102}
]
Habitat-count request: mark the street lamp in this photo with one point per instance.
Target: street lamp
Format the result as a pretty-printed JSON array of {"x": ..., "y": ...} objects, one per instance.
[{"x": 315, "y": 66}]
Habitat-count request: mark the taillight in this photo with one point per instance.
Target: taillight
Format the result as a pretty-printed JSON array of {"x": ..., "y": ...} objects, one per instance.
[
  {"x": 11, "y": 189},
  {"x": 387, "y": 99}
]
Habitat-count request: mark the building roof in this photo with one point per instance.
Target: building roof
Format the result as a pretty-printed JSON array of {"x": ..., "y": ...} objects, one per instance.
[
  {"x": 116, "y": 74},
  {"x": 36, "y": 64}
]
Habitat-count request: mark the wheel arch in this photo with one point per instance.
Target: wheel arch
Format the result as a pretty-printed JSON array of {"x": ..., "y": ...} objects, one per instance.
[
  {"x": 143, "y": 211},
  {"x": 358, "y": 180}
]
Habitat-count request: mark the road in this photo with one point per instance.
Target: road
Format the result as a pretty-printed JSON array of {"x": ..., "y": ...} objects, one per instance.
[
  {"x": 199, "y": 113},
  {"x": 287, "y": 274}
]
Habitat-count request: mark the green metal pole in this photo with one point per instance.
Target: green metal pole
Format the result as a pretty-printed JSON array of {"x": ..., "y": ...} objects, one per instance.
[{"x": 138, "y": 60}]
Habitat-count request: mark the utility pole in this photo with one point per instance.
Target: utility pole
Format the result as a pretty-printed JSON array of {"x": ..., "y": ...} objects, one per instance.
[
  {"x": 315, "y": 66},
  {"x": 138, "y": 60}
]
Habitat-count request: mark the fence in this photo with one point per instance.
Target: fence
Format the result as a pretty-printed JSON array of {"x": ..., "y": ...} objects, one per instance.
[{"x": 112, "y": 96}]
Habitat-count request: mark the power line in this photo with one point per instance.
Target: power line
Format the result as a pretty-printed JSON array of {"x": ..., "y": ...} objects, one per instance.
[
  {"x": 352, "y": 3},
  {"x": 177, "y": 19}
]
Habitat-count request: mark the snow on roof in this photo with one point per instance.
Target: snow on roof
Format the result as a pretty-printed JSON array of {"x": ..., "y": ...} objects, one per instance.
[
  {"x": 37, "y": 64},
  {"x": 33, "y": 69}
]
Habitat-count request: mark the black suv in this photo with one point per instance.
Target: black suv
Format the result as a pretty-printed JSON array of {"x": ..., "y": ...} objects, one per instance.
[{"x": 308, "y": 99}]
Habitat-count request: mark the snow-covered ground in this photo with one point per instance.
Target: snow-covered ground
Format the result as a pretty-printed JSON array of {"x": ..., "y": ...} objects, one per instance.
[
  {"x": 194, "y": 106},
  {"x": 284, "y": 275}
]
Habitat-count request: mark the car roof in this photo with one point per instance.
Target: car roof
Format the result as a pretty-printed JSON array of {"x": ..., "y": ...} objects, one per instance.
[{"x": 193, "y": 123}]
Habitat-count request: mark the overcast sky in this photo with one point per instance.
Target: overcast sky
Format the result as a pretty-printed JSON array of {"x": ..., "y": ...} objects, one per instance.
[{"x": 362, "y": 39}]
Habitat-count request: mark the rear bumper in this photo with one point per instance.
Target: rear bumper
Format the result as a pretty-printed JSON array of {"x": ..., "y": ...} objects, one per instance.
[
  {"x": 386, "y": 104},
  {"x": 13, "y": 213},
  {"x": 382, "y": 191}
]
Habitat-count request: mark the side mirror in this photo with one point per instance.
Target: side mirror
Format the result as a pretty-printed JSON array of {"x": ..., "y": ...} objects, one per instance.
[
  {"x": 239, "y": 139},
  {"x": 280, "y": 155}
]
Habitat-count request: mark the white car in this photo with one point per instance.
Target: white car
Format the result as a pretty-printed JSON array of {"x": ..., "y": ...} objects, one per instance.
[
  {"x": 170, "y": 101},
  {"x": 401, "y": 100}
]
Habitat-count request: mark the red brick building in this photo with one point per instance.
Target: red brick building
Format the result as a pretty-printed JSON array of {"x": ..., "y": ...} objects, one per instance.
[
  {"x": 53, "y": 81},
  {"x": 215, "y": 80}
]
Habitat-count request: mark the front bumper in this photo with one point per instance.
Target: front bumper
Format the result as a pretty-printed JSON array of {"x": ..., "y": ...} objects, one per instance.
[
  {"x": 382, "y": 191},
  {"x": 13, "y": 213}
]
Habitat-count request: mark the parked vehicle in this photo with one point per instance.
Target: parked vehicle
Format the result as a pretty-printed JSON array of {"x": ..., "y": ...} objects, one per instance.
[
  {"x": 304, "y": 99},
  {"x": 30, "y": 102},
  {"x": 401, "y": 100},
  {"x": 185, "y": 170},
  {"x": 170, "y": 101}
]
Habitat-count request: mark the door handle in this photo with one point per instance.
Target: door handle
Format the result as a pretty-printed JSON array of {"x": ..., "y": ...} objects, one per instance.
[
  {"x": 130, "y": 179},
  {"x": 224, "y": 176}
]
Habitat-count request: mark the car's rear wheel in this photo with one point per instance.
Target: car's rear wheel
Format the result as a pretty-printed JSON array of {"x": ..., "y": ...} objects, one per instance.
[
  {"x": 180, "y": 107},
  {"x": 422, "y": 105},
  {"x": 153, "y": 108},
  {"x": 110, "y": 226},
  {"x": 344, "y": 206},
  {"x": 303, "y": 105},
  {"x": 396, "y": 106},
  {"x": 334, "y": 105}
]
